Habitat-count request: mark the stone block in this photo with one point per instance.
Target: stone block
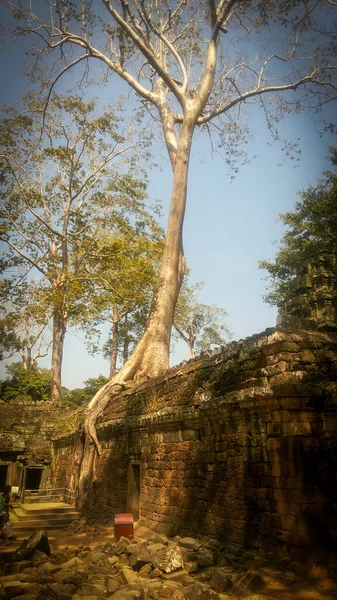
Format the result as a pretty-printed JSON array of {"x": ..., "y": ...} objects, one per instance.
[
  {"x": 128, "y": 575},
  {"x": 221, "y": 581},
  {"x": 18, "y": 588},
  {"x": 200, "y": 591},
  {"x": 295, "y": 428},
  {"x": 189, "y": 543},
  {"x": 126, "y": 595},
  {"x": 205, "y": 558},
  {"x": 57, "y": 591}
]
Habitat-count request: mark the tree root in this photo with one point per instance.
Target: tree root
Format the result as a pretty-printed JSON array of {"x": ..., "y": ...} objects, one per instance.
[
  {"x": 149, "y": 359},
  {"x": 96, "y": 407}
]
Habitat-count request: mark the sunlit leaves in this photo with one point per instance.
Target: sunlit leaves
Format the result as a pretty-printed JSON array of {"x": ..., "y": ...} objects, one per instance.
[
  {"x": 81, "y": 396},
  {"x": 74, "y": 209},
  {"x": 25, "y": 386}
]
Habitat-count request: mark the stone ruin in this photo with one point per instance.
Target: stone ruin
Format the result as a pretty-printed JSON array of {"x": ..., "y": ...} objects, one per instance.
[
  {"x": 238, "y": 447},
  {"x": 313, "y": 297}
]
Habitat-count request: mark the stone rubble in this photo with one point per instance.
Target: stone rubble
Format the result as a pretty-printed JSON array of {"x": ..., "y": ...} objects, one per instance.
[{"x": 155, "y": 569}]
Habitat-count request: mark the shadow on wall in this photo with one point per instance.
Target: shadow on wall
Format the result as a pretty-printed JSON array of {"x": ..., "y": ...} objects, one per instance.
[{"x": 252, "y": 481}]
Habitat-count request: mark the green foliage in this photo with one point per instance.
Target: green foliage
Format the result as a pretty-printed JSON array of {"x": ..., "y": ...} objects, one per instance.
[
  {"x": 120, "y": 274},
  {"x": 74, "y": 217},
  {"x": 25, "y": 385},
  {"x": 23, "y": 321},
  {"x": 201, "y": 326},
  {"x": 81, "y": 396},
  {"x": 311, "y": 232}
]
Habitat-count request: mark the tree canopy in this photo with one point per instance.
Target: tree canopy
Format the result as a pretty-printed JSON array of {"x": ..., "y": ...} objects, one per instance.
[
  {"x": 311, "y": 232},
  {"x": 25, "y": 385},
  {"x": 121, "y": 274},
  {"x": 71, "y": 203},
  {"x": 23, "y": 321}
]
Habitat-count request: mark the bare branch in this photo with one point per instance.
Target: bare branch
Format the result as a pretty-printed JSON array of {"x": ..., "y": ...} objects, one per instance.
[
  {"x": 170, "y": 46},
  {"x": 264, "y": 90},
  {"x": 223, "y": 13},
  {"x": 64, "y": 70},
  {"x": 34, "y": 263},
  {"x": 163, "y": 73}
]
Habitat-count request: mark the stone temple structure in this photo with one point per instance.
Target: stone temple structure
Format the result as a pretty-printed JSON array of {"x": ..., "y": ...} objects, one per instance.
[
  {"x": 240, "y": 445},
  {"x": 313, "y": 298}
]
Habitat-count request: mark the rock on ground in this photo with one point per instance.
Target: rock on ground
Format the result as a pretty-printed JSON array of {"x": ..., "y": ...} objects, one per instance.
[{"x": 150, "y": 569}]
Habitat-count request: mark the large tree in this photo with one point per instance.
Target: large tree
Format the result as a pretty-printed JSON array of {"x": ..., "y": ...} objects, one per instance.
[
  {"x": 62, "y": 188},
  {"x": 192, "y": 64}
]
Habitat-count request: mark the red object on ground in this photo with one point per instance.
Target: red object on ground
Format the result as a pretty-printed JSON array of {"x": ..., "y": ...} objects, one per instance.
[{"x": 124, "y": 526}]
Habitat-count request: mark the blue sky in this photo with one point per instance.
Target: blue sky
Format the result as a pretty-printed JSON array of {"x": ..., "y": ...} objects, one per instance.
[{"x": 229, "y": 226}]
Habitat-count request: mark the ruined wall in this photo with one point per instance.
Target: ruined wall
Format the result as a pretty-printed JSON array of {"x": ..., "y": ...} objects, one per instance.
[
  {"x": 312, "y": 302},
  {"x": 25, "y": 440},
  {"x": 241, "y": 445}
]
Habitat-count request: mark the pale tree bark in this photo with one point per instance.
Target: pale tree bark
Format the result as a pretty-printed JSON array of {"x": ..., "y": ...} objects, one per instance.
[
  {"x": 190, "y": 340},
  {"x": 114, "y": 348},
  {"x": 126, "y": 341},
  {"x": 59, "y": 331},
  {"x": 26, "y": 359},
  {"x": 151, "y": 355},
  {"x": 32, "y": 348}
]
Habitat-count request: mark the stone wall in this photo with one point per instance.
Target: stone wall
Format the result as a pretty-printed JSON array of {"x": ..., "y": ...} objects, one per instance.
[
  {"x": 241, "y": 446},
  {"x": 25, "y": 440}
]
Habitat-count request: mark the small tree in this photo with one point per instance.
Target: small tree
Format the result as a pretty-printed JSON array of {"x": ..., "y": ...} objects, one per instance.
[
  {"x": 311, "y": 232},
  {"x": 24, "y": 320},
  {"x": 25, "y": 385},
  {"x": 121, "y": 271},
  {"x": 201, "y": 326}
]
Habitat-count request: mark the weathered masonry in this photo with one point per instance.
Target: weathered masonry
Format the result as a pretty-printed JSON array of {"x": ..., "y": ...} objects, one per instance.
[
  {"x": 26, "y": 432},
  {"x": 241, "y": 446}
]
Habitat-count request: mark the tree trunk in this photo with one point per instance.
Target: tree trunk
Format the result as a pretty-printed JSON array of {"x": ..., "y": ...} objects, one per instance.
[
  {"x": 151, "y": 355},
  {"x": 59, "y": 330},
  {"x": 150, "y": 358},
  {"x": 126, "y": 341},
  {"x": 191, "y": 348},
  {"x": 114, "y": 348}
]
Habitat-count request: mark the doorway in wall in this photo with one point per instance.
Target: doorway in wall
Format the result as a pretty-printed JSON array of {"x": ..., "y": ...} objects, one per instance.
[
  {"x": 133, "y": 494},
  {"x": 33, "y": 478},
  {"x": 3, "y": 476}
]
